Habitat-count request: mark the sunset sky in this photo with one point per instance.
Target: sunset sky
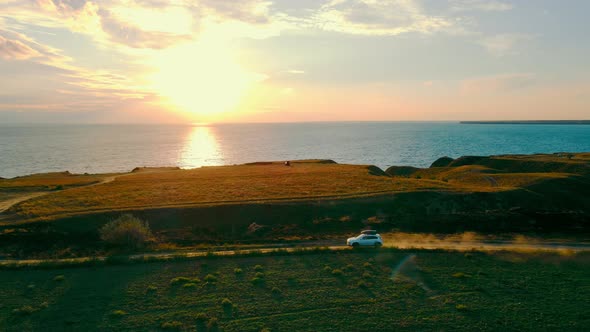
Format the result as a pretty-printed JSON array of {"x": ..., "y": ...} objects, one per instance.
[{"x": 167, "y": 61}]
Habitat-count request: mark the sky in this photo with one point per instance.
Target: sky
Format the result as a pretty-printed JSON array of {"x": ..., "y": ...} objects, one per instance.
[{"x": 179, "y": 61}]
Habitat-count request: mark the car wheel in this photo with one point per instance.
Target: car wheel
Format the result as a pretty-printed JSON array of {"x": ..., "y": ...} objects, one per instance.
[
  {"x": 355, "y": 245},
  {"x": 378, "y": 244}
]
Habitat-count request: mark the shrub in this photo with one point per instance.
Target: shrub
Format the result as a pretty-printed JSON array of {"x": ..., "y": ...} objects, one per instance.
[
  {"x": 60, "y": 277},
  {"x": 213, "y": 324},
  {"x": 119, "y": 313},
  {"x": 126, "y": 230},
  {"x": 367, "y": 275},
  {"x": 337, "y": 272},
  {"x": 152, "y": 289},
  {"x": 237, "y": 270},
  {"x": 258, "y": 268},
  {"x": 189, "y": 285},
  {"x": 179, "y": 280},
  {"x": 368, "y": 265},
  {"x": 24, "y": 310},
  {"x": 327, "y": 268},
  {"x": 461, "y": 307},
  {"x": 257, "y": 281},
  {"x": 172, "y": 325},
  {"x": 259, "y": 275},
  {"x": 276, "y": 291},
  {"x": 210, "y": 278},
  {"x": 201, "y": 317},
  {"x": 461, "y": 275},
  {"x": 226, "y": 303}
]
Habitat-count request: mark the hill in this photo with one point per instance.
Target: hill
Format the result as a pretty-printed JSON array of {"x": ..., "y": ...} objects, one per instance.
[{"x": 313, "y": 198}]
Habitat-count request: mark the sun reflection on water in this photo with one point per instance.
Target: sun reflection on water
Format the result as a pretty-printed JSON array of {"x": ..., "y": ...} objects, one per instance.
[{"x": 201, "y": 148}]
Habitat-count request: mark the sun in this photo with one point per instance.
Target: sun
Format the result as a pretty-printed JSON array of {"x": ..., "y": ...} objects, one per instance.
[{"x": 202, "y": 77}]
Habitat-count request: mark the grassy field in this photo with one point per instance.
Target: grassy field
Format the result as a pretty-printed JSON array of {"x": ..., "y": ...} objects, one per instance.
[
  {"x": 211, "y": 185},
  {"x": 49, "y": 181},
  {"x": 349, "y": 291},
  {"x": 258, "y": 182}
]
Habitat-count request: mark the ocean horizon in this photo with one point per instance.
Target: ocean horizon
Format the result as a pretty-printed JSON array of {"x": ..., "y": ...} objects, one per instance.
[{"x": 103, "y": 148}]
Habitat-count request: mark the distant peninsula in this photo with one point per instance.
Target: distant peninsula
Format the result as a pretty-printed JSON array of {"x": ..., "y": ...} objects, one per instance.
[{"x": 532, "y": 122}]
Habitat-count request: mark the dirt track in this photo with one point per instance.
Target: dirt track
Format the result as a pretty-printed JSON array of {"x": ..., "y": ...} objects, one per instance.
[
  {"x": 18, "y": 198},
  {"x": 565, "y": 247}
]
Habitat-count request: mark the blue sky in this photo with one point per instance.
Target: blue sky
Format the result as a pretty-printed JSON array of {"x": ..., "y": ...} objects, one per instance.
[{"x": 275, "y": 61}]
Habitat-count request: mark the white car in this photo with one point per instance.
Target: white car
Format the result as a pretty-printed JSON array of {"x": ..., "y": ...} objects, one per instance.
[{"x": 367, "y": 239}]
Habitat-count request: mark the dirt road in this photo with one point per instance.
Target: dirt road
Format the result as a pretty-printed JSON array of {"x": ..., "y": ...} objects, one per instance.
[
  {"x": 16, "y": 198},
  {"x": 566, "y": 247}
]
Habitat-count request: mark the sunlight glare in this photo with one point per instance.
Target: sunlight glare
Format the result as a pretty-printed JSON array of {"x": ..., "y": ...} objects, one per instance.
[
  {"x": 200, "y": 149},
  {"x": 202, "y": 78}
]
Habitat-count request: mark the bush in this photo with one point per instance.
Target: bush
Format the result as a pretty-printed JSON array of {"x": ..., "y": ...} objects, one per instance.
[
  {"x": 184, "y": 280},
  {"x": 276, "y": 291},
  {"x": 259, "y": 275},
  {"x": 461, "y": 307},
  {"x": 349, "y": 267},
  {"x": 337, "y": 272},
  {"x": 152, "y": 289},
  {"x": 257, "y": 281},
  {"x": 258, "y": 268},
  {"x": 119, "y": 313},
  {"x": 172, "y": 325},
  {"x": 201, "y": 317},
  {"x": 461, "y": 275},
  {"x": 210, "y": 278},
  {"x": 189, "y": 285},
  {"x": 237, "y": 270},
  {"x": 60, "y": 277},
  {"x": 24, "y": 310},
  {"x": 127, "y": 230},
  {"x": 213, "y": 324},
  {"x": 226, "y": 303},
  {"x": 362, "y": 284}
]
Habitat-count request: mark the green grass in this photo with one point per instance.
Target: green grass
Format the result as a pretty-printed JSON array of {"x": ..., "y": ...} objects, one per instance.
[{"x": 432, "y": 291}]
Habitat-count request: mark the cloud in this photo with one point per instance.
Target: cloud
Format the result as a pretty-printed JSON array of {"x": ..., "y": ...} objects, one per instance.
[
  {"x": 132, "y": 36},
  {"x": 248, "y": 11},
  {"x": 502, "y": 83},
  {"x": 295, "y": 71},
  {"x": 503, "y": 44},
  {"x": 11, "y": 49},
  {"x": 480, "y": 5},
  {"x": 373, "y": 17}
]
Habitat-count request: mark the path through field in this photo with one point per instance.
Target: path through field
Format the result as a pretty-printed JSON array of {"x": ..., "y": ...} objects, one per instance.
[{"x": 10, "y": 200}]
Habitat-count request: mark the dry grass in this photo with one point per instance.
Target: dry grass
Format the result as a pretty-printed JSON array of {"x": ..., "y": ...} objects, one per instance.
[
  {"x": 213, "y": 185},
  {"x": 49, "y": 181},
  {"x": 267, "y": 181}
]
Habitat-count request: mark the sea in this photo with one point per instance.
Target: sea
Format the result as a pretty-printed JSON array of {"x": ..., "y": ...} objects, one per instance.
[{"x": 28, "y": 149}]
